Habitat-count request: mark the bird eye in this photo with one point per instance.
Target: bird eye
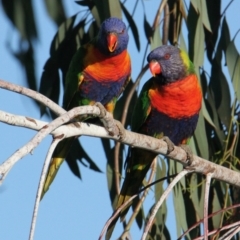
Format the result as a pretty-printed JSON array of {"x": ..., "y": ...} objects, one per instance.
[
  {"x": 122, "y": 31},
  {"x": 166, "y": 56}
]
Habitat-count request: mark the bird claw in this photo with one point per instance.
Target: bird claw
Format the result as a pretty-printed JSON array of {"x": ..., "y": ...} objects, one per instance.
[
  {"x": 189, "y": 153},
  {"x": 121, "y": 130},
  {"x": 170, "y": 144},
  {"x": 103, "y": 111},
  {"x": 113, "y": 126}
]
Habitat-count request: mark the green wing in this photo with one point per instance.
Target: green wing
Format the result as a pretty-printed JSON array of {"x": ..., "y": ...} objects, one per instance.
[
  {"x": 142, "y": 107},
  {"x": 74, "y": 77}
]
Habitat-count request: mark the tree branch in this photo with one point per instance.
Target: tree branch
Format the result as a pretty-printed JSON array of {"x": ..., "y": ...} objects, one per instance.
[{"x": 199, "y": 165}]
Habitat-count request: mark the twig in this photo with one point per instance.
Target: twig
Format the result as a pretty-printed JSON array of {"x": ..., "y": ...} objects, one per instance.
[
  {"x": 162, "y": 198},
  {"x": 165, "y": 24},
  {"x": 40, "y": 186},
  {"x": 206, "y": 201},
  {"x": 123, "y": 121},
  {"x": 209, "y": 216},
  {"x": 138, "y": 207},
  {"x": 218, "y": 230},
  {"x": 115, "y": 215},
  {"x": 230, "y": 233}
]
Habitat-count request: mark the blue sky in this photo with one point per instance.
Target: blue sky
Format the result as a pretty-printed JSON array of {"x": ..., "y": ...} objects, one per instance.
[{"x": 72, "y": 209}]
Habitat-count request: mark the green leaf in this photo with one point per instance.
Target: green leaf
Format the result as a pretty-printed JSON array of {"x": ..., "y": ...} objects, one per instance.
[
  {"x": 211, "y": 38},
  {"x": 216, "y": 206},
  {"x": 225, "y": 36},
  {"x": 220, "y": 88},
  {"x": 196, "y": 4},
  {"x": 22, "y": 16},
  {"x": 197, "y": 186},
  {"x": 200, "y": 137},
  {"x": 199, "y": 44},
  {"x": 109, "y": 153},
  {"x": 156, "y": 40},
  {"x": 192, "y": 21},
  {"x": 180, "y": 210},
  {"x": 147, "y": 29},
  {"x": 160, "y": 173},
  {"x": 233, "y": 64},
  {"x": 84, "y": 3},
  {"x": 50, "y": 83},
  {"x": 182, "y": 44},
  {"x": 55, "y": 10},
  {"x": 115, "y": 9},
  {"x": 103, "y": 9},
  {"x": 132, "y": 26},
  {"x": 219, "y": 135},
  {"x": 204, "y": 15},
  {"x": 206, "y": 114},
  {"x": 78, "y": 155}
]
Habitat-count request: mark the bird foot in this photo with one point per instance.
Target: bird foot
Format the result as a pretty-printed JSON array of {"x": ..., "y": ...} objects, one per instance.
[
  {"x": 189, "y": 153},
  {"x": 113, "y": 126},
  {"x": 103, "y": 111},
  {"x": 170, "y": 144},
  {"x": 121, "y": 130}
]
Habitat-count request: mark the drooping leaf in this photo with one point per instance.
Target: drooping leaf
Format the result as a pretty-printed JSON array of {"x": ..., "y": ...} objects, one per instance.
[
  {"x": 156, "y": 40},
  {"x": 21, "y": 14},
  {"x": 198, "y": 45},
  {"x": 78, "y": 154},
  {"x": 205, "y": 15},
  {"x": 233, "y": 63},
  {"x": 192, "y": 20},
  {"x": 214, "y": 13},
  {"x": 104, "y": 9},
  {"x": 55, "y": 10},
  {"x": 119, "y": 109},
  {"x": 200, "y": 138},
  {"x": 132, "y": 26},
  {"x": 50, "y": 83},
  {"x": 197, "y": 185},
  {"x": 87, "y": 3},
  {"x": 64, "y": 44},
  {"x": 180, "y": 212},
  {"x": 111, "y": 173},
  {"x": 175, "y": 20},
  {"x": 147, "y": 29},
  {"x": 161, "y": 216},
  {"x": 222, "y": 97},
  {"x": 115, "y": 9}
]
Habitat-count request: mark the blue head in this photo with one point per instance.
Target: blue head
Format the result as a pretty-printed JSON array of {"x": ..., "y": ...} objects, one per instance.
[
  {"x": 169, "y": 63},
  {"x": 112, "y": 37}
]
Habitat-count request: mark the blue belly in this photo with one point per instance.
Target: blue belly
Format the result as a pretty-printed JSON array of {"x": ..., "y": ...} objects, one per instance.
[
  {"x": 100, "y": 91},
  {"x": 176, "y": 129}
]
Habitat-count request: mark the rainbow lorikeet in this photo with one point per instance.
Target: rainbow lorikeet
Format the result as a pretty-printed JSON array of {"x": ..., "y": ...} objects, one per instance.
[
  {"x": 168, "y": 105},
  {"x": 98, "y": 72}
]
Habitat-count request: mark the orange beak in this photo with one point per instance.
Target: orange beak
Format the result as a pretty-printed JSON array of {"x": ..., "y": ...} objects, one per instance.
[
  {"x": 112, "y": 42},
  {"x": 155, "y": 68}
]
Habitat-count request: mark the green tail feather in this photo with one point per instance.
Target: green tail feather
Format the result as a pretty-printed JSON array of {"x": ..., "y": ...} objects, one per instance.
[
  {"x": 138, "y": 163},
  {"x": 59, "y": 155}
]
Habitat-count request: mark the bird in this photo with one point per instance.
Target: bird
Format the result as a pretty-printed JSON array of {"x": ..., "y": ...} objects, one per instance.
[
  {"x": 98, "y": 72},
  {"x": 168, "y": 106}
]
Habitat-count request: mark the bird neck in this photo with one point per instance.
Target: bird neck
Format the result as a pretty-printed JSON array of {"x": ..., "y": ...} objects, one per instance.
[
  {"x": 179, "y": 99},
  {"x": 107, "y": 68}
]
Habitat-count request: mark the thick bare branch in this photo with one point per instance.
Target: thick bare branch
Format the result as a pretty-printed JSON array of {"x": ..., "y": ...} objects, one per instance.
[{"x": 199, "y": 165}]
